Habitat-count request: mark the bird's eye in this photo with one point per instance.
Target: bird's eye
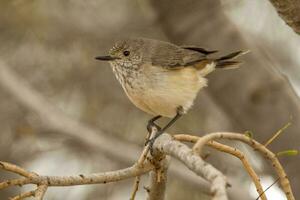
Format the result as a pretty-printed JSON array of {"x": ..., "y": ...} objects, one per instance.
[{"x": 126, "y": 53}]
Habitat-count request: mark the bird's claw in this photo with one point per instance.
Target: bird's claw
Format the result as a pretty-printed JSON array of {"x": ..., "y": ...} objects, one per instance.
[
  {"x": 151, "y": 141},
  {"x": 151, "y": 124}
]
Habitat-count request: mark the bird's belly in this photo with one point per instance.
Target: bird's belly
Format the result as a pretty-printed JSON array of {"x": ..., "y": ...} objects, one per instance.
[
  {"x": 156, "y": 104},
  {"x": 168, "y": 91}
]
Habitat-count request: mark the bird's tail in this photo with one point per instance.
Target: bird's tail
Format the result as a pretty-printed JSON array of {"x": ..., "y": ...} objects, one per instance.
[{"x": 228, "y": 62}]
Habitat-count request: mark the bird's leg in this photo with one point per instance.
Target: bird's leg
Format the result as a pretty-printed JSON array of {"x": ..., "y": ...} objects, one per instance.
[
  {"x": 151, "y": 123},
  {"x": 179, "y": 113}
]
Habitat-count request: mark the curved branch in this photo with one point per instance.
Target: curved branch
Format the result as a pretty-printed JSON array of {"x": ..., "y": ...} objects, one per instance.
[
  {"x": 233, "y": 151},
  {"x": 166, "y": 144},
  {"x": 285, "y": 184}
]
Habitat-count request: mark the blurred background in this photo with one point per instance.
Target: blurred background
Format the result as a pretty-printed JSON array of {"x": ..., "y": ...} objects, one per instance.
[{"x": 64, "y": 113}]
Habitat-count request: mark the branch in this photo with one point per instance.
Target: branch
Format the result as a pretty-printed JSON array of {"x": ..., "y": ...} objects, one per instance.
[
  {"x": 157, "y": 187},
  {"x": 24, "y": 195},
  {"x": 285, "y": 184},
  {"x": 158, "y": 177},
  {"x": 158, "y": 180},
  {"x": 157, "y": 165},
  {"x": 166, "y": 144},
  {"x": 81, "y": 179},
  {"x": 135, "y": 187},
  {"x": 16, "y": 169},
  {"x": 140, "y": 163},
  {"x": 40, "y": 191},
  {"x": 289, "y": 11},
  {"x": 230, "y": 150}
]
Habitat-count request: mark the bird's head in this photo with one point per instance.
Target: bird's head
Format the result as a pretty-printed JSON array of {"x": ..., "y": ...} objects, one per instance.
[{"x": 125, "y": 52}]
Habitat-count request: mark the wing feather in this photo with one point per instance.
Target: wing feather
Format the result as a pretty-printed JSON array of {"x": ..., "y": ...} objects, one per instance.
[
  {"x": 200, "y": 49},
  {"x": 174, "y": 57}
]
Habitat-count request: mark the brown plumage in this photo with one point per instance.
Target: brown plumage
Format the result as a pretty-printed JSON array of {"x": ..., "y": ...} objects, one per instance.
[
  {"x": 158, "y": 77},
  {"x": 161, "y": 78}
]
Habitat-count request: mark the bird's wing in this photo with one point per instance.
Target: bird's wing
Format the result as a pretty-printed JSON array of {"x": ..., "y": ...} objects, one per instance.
[
  {"x": 199, "y": 49},
  {"x": 174, "y": 57}
]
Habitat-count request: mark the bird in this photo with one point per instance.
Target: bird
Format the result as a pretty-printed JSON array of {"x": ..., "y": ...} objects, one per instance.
[{"x": 162, "y": 78}]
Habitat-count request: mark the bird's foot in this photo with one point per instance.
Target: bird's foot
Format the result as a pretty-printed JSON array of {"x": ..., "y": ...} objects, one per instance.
[
  {"x": 151, "y": 124},
  {"x": 151, "y": 141},
  {"x": 150, "y": 127}
]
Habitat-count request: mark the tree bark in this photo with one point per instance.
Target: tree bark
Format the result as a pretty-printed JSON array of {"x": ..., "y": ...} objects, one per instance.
[{"x": 289, "y": 11}]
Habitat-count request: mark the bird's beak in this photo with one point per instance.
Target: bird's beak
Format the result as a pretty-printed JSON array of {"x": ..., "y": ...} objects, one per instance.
[{"x": 106, "y": 58}]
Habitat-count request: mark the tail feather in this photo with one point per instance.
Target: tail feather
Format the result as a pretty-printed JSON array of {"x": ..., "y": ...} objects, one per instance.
[{"x": 227, "y": 61}]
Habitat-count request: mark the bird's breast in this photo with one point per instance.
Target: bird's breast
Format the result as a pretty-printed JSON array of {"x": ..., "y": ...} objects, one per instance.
[
  {"x": 160, "y": 91},
  {"x": 128, "y": 76}
]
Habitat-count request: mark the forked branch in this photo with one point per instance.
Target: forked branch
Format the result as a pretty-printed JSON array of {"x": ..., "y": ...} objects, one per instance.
[{"x": 157, "y": 165}]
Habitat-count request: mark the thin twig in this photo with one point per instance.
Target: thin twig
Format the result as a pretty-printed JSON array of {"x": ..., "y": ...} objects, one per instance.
[
  {"x": 16, "y": 169},
  {"x": 40, "y": 191},
  {"x": 145, "y": 151},
  {"x": 23, "y": 195},
  {"x": 277, "y": 134},
  {"x": 140, "y": 163},
  {"x": 267, "y": 188},
  {"x": 135, "y": 187}
]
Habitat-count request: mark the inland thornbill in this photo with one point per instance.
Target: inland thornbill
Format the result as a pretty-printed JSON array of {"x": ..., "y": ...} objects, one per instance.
[{"x": 161, "y": 78}]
